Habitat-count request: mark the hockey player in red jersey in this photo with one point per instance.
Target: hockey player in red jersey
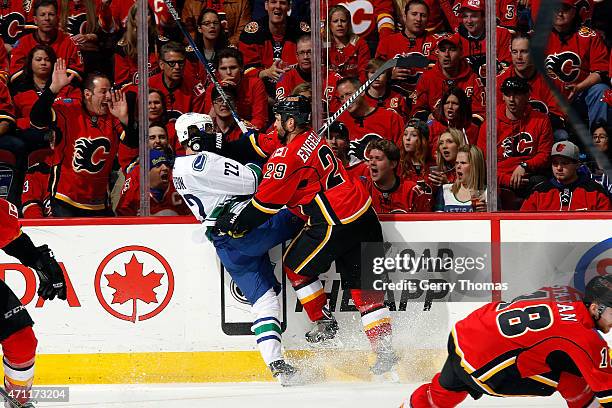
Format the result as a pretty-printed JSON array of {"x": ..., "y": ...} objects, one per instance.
[
  {"x": 451, "y": 70},
  {"x": 366, "y": 122},
  {"x": 540, "y": 343},
  {"x": 305, "y": 175},
  {"x": 16, "y": 334},
  {"x": 390, "y": 193},
  {"x": 415, "y": 39}
]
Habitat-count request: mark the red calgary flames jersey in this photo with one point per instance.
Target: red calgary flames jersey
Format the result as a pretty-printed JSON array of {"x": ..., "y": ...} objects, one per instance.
[
  {"x": 306, "y": 174},
  {"x": 83, "y": 157},
  {"x": 522, "y": 335},
  {"x": 350, "y": 60},
  {"x": 63, "y": 46},
  {"x": 9, "y": 223},
  {"x": 404, "y": 197},
  {"x": 16, "y": 19}
]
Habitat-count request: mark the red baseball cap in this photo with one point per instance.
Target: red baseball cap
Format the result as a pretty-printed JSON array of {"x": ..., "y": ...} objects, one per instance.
[
  {"x": 474, "y": 5},
  {"x": 454, "y": 39}
]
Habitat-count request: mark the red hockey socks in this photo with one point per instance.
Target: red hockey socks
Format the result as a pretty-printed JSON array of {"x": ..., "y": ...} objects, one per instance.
[
  {"x": 310, "y": 292},
  {"x": 433, "y": 395},
  {"x": 19, "y": 352},
  {"x": 375, "y": 317},
  {"x": 574, "y": 390}
]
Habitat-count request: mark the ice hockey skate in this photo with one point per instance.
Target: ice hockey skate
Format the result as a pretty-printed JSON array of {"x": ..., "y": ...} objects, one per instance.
[
  {"x": 285, "y": 373},
  {"x": 324, "y": 331}
]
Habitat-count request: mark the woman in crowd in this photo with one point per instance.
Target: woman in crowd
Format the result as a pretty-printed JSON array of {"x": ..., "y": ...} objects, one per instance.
[
  {"x": 348, "y": 54},
  {"x": 380, "y": 92},
  {"x": 468, "y": 192},
  {"x": 449, "y": 143},
  {"x": 454, "y": 111},
  {"x": 126, "y": 52},
  {"x": 414, "y": 161},
  {"x": 25, "y": 87},
  {"x": 210, "y": 41},
  {"x": 600, "y": 132}
]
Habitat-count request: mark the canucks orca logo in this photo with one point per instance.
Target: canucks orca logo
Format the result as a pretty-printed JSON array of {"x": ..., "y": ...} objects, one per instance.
[
  {"x": 357, "y": 147},
  {"x": 520, "y": 144},
  {"x": 564, "y": 66},
  {"x": 84, "y": 152}
]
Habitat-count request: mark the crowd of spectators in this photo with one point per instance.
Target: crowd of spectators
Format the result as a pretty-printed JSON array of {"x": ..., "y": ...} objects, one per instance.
[{"x": 416, "y": 139}]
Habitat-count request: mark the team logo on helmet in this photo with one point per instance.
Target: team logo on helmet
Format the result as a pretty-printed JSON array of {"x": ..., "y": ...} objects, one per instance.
[
  {"x": 520, "y": 144},
  {"x": 357, "y": 147},
  {"x": 90, "y": 154},
  {"x": 564, "y": 66}
]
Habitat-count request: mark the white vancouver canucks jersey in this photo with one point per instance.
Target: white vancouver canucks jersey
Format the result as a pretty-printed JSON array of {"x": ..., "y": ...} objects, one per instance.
[{"x": 209, "y": 182}]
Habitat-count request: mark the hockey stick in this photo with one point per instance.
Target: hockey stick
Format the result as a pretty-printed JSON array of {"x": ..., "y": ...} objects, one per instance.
[
  {"x": 4, "y": 395},
  {"x": 538, "y": 45},
  {"x": 410, "y": 61},
  {"x": 204, "y": 62}
]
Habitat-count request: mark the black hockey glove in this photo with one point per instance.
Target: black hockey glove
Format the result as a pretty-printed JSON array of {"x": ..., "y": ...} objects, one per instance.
[
  {"x": 51, "y": 276},
  {"x": 226, "y": 224}
]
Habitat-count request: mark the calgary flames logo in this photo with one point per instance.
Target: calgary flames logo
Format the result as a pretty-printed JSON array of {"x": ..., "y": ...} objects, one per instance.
[
  {"x": 520, "y": 144},
  {"x": 357, "y": 147},
  {"x": 84, "y": 152},
  {"x": 564, "y": 66}
]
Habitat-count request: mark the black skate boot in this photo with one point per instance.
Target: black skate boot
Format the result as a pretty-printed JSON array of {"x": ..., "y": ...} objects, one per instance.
[
  {"x": 285, "y": 373},
  {"x": 325, "y": 329}
]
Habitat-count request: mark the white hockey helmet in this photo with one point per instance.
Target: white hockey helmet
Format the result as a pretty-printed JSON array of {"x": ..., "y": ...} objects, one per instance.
[{"x": 202, "y": 122}]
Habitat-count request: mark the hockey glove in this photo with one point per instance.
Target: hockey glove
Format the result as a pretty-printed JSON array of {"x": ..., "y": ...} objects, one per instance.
[
  {"x": 226, "y": 224},
  {"x": 51, "y": 276}
]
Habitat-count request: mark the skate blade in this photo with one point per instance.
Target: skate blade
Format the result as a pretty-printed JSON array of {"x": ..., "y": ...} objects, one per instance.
[
  {"x": 390, "y": 376},
  {"x": 302, "y": 377},
  {"x": 330, "y": 344}
]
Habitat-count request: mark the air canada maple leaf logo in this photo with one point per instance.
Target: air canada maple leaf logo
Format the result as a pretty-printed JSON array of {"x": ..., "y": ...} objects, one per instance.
[{"x": 134, "y": 283}]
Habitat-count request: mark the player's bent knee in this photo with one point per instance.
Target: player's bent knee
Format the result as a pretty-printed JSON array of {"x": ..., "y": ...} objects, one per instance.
[{"x": 20, "y": 348}]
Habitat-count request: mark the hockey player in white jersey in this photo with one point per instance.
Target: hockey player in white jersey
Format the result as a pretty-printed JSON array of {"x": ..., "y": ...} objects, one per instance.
[{"x": 211, "y": 185}]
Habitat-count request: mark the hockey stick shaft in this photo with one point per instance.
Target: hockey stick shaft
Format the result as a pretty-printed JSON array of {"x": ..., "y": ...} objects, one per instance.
[
  {"x": 204, "y": 62},
  {"x": 413, "y": 60}
]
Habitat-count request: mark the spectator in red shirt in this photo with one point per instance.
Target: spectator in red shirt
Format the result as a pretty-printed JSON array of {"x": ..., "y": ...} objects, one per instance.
[
  {"x": 468, "y": 192},
  {"x": 524, "y": 138},
  {"x": 366, "y": 122},
  {"x": 450, "y": 71},
  {"x": 454, "y": 111},
  {"x": 338, "y": 139},
  {"x": 87, "y": 137},
  {"x": 449, "y": 143},
  {"x": 390, "y": 193},
  {"x": 348, "y": 53},
  {"x": 35, "y": 197},
  {"x": 252, "y": 101},
  {"x": 473, "y": 38},
  {"x": 180, "y": 92},
  {"x": 380, "y": 93},
  {"x": 414, "y": 39},
  {"x": 541, "y": 97},
  {"x": 47, "y": 32},
  {"x": 210, "y": 40},
  {"x": 567, "y": 190},
  {"x": 601, "y": 139},
  {"x": 164, "y": 199},
  {"x": 415, "y": 159},
  {"x": 577, "y": 59}
]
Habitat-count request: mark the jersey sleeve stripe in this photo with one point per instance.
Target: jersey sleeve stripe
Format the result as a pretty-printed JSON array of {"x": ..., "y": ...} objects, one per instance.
[
  {"x": 267, "y": 208},
  {"x": 497, "y": 369},
  {"x": 256, "y": 147},
  {"x": 359, "y": 213},
  {"x": 544, "y": 380},
  {"x": 326, "y": 214}
]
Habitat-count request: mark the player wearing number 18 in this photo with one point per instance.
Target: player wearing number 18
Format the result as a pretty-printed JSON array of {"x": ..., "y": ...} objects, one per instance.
[
  {"x": 305, "y": 176},
  {"x": 541, "y": 343}
]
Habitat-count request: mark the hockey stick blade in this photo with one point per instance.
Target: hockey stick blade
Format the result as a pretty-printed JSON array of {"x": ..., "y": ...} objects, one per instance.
[
  {"x": 412, "y": 61},
  {"x": 205, "y": 62}
]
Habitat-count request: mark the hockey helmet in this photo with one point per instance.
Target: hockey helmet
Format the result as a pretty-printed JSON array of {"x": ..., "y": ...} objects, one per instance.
[
  {"x": 599, "y": 290},
  {"x": 297, "y": 107},
  {"x": 191, "y": 128}
]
